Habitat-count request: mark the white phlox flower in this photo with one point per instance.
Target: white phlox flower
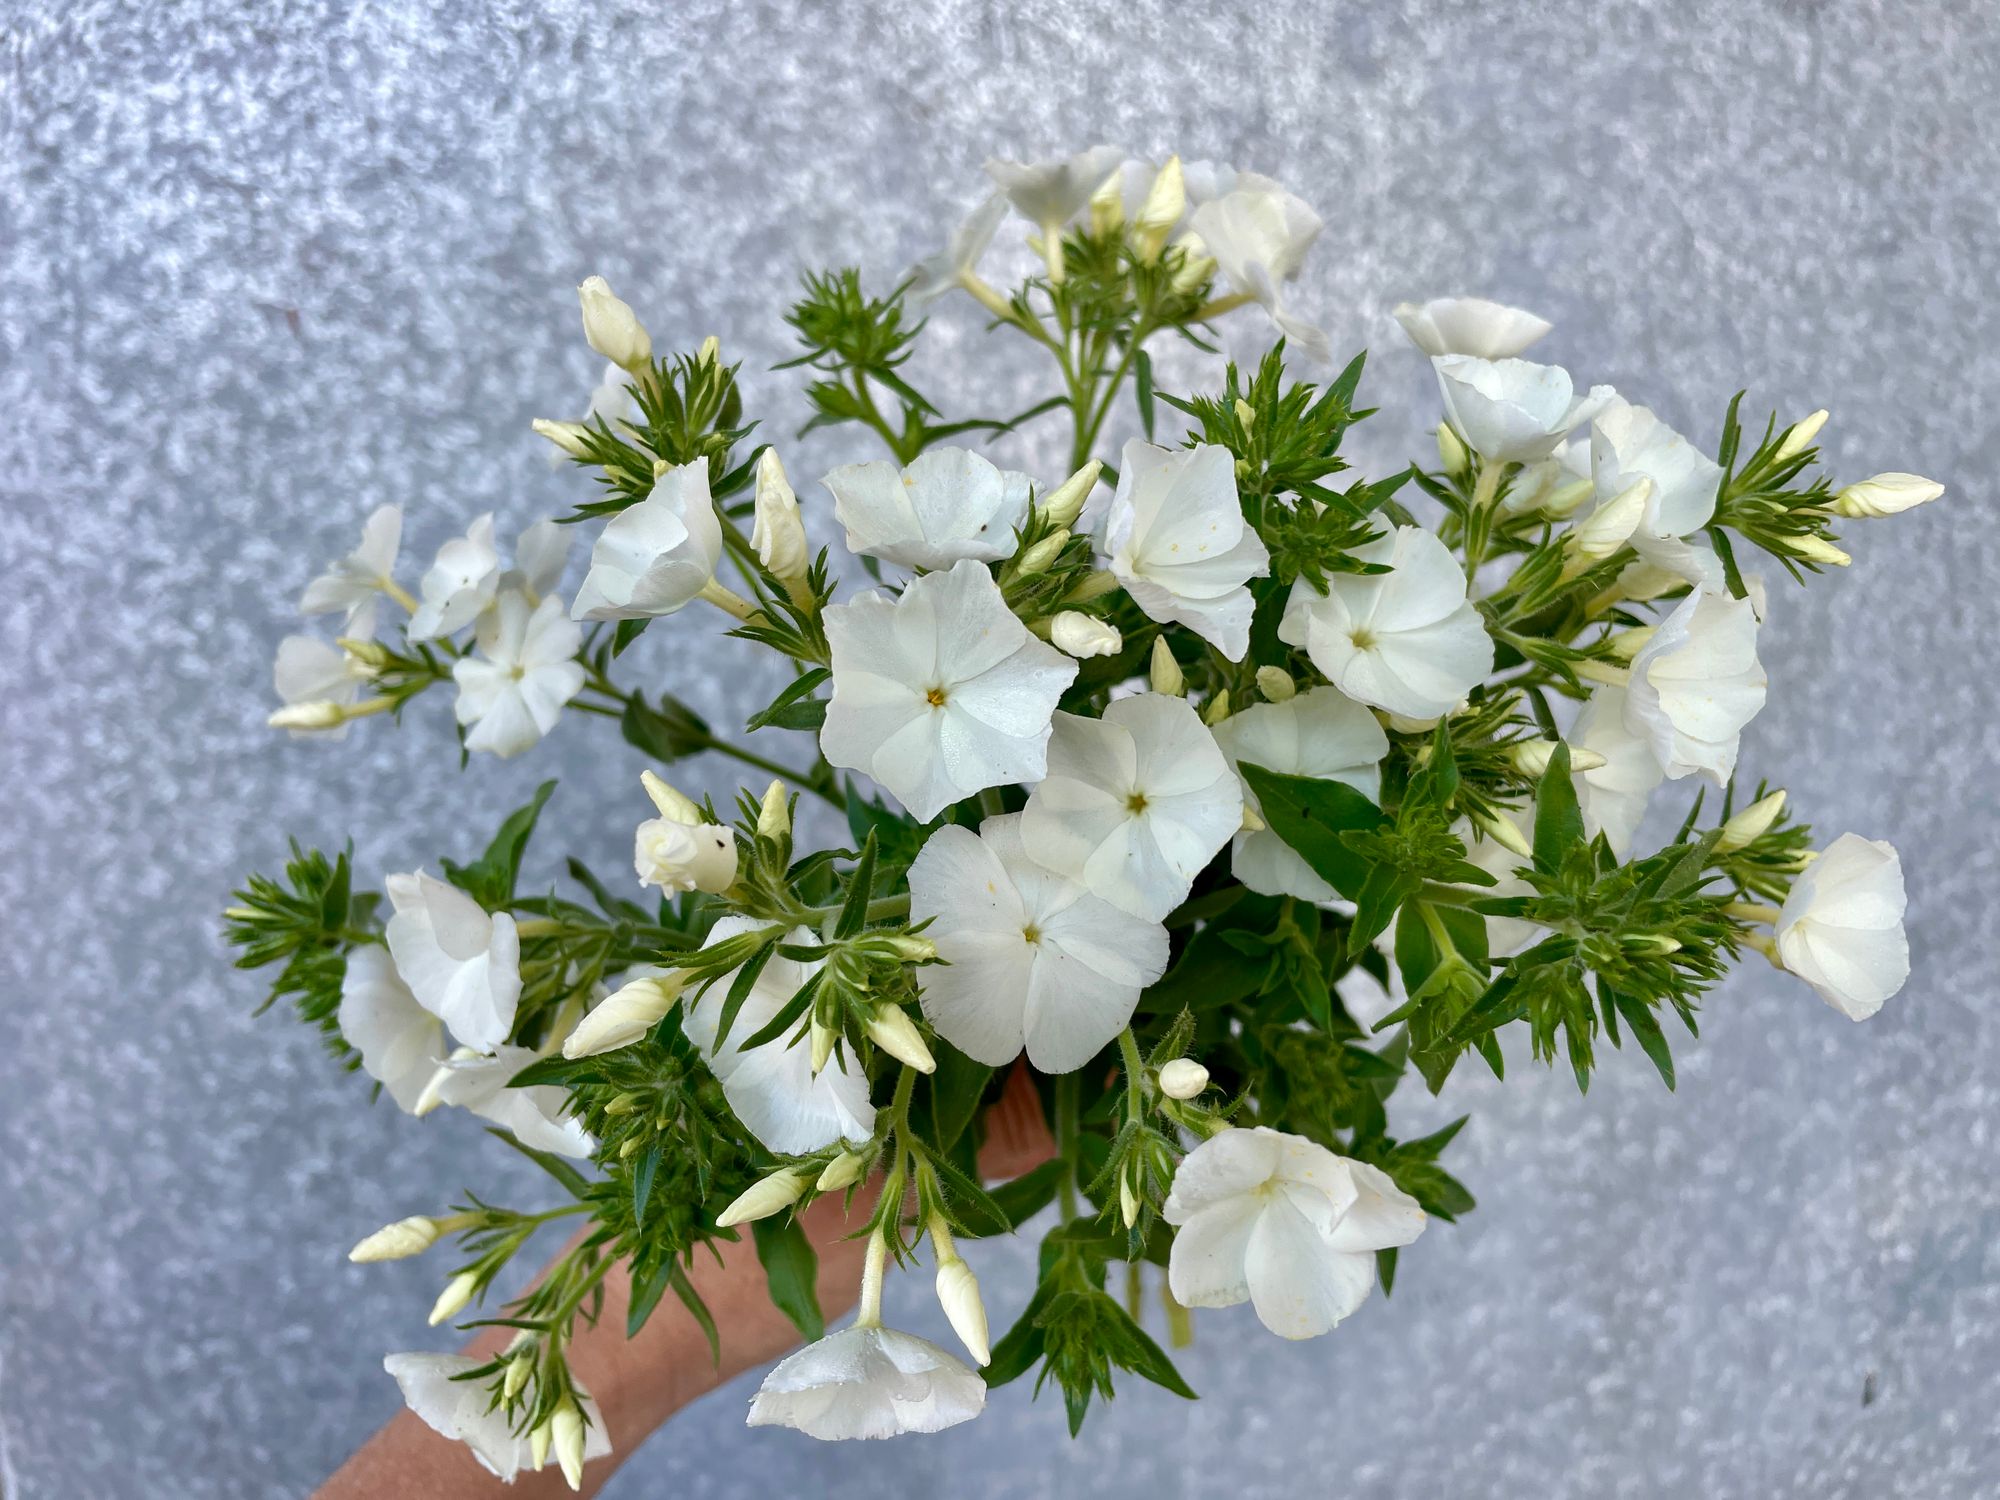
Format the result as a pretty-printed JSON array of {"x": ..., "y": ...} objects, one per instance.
[
  {"x": 462, "y": 963},
  {"x": 1841, "y": 927},
  {"x": 949, "y": 504},
  {"x": 1695, "y": 684},
  {"x": 1470, "y": 325},
  {"x": 1258, "y": 235},
  {"x": 1512, "y": 411},
  {"x": 513, "y": 691},
  {"x": 460, "y": 584},
  {"x": 462, "y": 1409},
  {"x": 869, "y": 1382},
  {"x": 351, "y": 584},
  {"x": 657, "y": 556},
  {"x": 480, "y": 1084},
  {"x": 401, "y": 1044}
]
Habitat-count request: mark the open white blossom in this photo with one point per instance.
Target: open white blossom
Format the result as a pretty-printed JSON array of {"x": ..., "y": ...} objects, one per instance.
[
  {"x": 1282, "y": 1223},
  {"x": 1613, "y": 797},
  {"x": 462, "y": 1409},
  {"x": 941, "y": 692},
  {"x": 310, "y": 670},
  {"x": 1629, "y": 443},
  {"x": 655, "y": 557},
  {"x": 1048, "y": 194},
  {"x": 460, "y": 584},
  {"x": 1512, "y": 411},
  {"x": 1032, "y": 959},
  {"x": 1841, "y": 928},
  {"x": 1179, "y": 543},
  {"x": 401, "y": 1044},
  {"x": 513, "y": 691},
  {"x": 868, "y": 1382},
  {"x": 480, "y": 1083},
  {"x": 1695, "y": 684},
  {"x": 1135, "y": 804},
  {"x": 541, "y": 552},
  {"x": 772, "y": 1087},
  {"x": 1470, "y": 325},
  {"x": 957, "y": 264},
  {"x": 949, "y": 504},
  {"x": 351, "y": 584},
  {"x": 462, "y": 963},
  {"x": 1258, "y": 234},
  {"x": 1408, "y": 640},
  {"x": 1321, "y": 733}
]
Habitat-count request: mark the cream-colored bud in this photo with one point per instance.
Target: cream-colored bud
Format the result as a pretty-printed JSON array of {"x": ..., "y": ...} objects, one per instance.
[
  {"x": 1817, "y": 549},
  {"x": 891, "y": 1029},
  {"x": 764, "y": 1197},
  {"x": 1751, "y": 824},
  {"x": 1217, "y": 710},
  {"x": 1627, "y": 644},
  {"x": 1532, "y": 757},
  {"x": 670, "y": 802},
  {"x": 678, "y": 856},
  {"x": 1038, "y": 557},
  {"x": 1165, "y": 672},
  {"x": 519, "y": 1368},
  {"x": 958, "y": 1294},
  {"x": 1253, "y": 821},
  {"x": 1080, "y": 635},
  {"x": 1799, "y": 436},
  {"x": 843, "y": 1171},
  {"x": 1563, "y": 501},
  {"x": 372, "y": 655},
  {"x": 823, "y": 1039},
  {"x": 1246, "y": 415},
  {"x": 613, "y": 329},
  {"x": 1196, "y": 266},
  {"x": 405, "y": 1237},
  {"x": 1452, "y": 455},
  {"x": 1183, "y": 1078},
  {"x": 1886, "y": 495},
  {"x": 774, "y": 814},
  {"x": 457, "y": 1292},
  {"x": 1505, "y": 832},
  {"x": 567, "y": 436},
  {"x": 320, "y": 713},
  {"x": 538, "y": 1444},
  {"x": 710, "y": 352},
  {"x": 1276, "y": 684},
  {"x": 1128, "y": 1200},
  {"x": 912, "y": 948},
  {"x": 1166, "y": 201},
  {"x": 625, "y": 1016},
  {"x": 776, "y": 530},
  {"x": 1063, "y": 504},
  {"x": 1107, "y": 205},
  {"x": 566, "y": 1432},
  {"x": 1605, "y": 530}
]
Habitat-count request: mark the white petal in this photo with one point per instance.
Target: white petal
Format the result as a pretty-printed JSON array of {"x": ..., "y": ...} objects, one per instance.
[
  {"x": 1205, "y": 1265},
  {"x": 1223, "y": 1167},
  {"x": 401, "y": 1044},
  {"x": 1382, "y": 1216},
  {"x": 1300, "y": 1285},
  {"x": 868, "y": 1382}
]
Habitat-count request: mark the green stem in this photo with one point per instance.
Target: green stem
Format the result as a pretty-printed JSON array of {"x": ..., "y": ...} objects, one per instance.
[{"x": 1135, "y": 1071}]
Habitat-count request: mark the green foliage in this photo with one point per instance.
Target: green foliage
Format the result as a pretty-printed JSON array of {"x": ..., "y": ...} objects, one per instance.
[
  {"x": 306, "y": 922},
  {"x": 690, "y": 411}
]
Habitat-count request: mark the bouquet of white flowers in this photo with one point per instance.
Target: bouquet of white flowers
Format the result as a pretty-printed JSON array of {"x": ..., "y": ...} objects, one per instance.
[{"x": 1153, "y": 764}]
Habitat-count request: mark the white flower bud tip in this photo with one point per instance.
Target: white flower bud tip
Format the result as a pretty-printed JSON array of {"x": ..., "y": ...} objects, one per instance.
[
  {"x": 321, "y": 713},
  {"x": 843, "y": 1171},
  {"x": 913, "y": 949},
  {"x": 1505, "y": 832},
  {"x": 891, "y": 1029},
  {"x": 1751, "y": 824},
  {"x": 958, "y": 1294},
  {"x": 1564, "y": 500},
  {"x": 405, "y": 1237},
  {"x": 1197, "y": 265},
  {"x": 1080, "y": 635},
  {"x": 613, "y": 329},
  {"x": 625, "y": 1016},
  {"x": 1107, "y": 205},
  {"x": 1183, "y": 1078},
  {"x": 1165, "y": 202},
  {"x": 1817, "y": 549},
  {"x": 678, "y": 856},
  {"x": 710, "y": 352},
  {"x": 1800, "y": 435},
  {"x": 1165, "y": 671},
  {"x": 1452, "y": 457},
  {"x": 1217, "y": 710},
  {"x": 776, "y": 530},
  {"x": 1532, "y": 757},
  {"x": 1038, "y": 557},
  {"x": 1128, "y": 1200},
  {"x": 1246, "y": 414},
  {"x": 567, "y": 436},
  {"x": 1886, "y": 495},
  {"x": 457, "y": 1292},
  {"x": 1276, "y": 684},
  {"x": 670, "y": 802},
  {"x": 1062, "y": 505},
  {"x": 566, "y": 1436},
  {"x": 1601, "y": 533},
  {"x": 823, "y": 1039},
  {"x": 774, "y": 815},
  {"x": 519, "y": 1368},
  {"x": 764, "y": 1197}
]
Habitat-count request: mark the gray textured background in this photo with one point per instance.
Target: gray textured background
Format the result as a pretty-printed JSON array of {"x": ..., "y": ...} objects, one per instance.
[{"x": 262, "y": 267}]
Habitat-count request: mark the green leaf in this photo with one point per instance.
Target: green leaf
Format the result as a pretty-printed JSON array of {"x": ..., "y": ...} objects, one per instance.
[
  {"x": 1310, "y": 815},
  {"x": 739, "y": 991},
  {"x": 643, "y": 1173},
  {"x": 667, "y": 733},
  {"x": 647, "y": 1289},
  {"x": 1022, "y": 1345},
  {"x": 691, "y": 1299},
  {"x": 490, "y": 879},
  {"x": 333, "y": 902},
  {"x": 956, "y": 1089},
  {"x": 970, "y": 1204},
  {"x": 577, "y": 1184},
  {"x": 792, "y": 1269},
  {"x": 860, "y": 886},
  {"x": 1646, "y": 1030},
  {"x": 794, "y": 708},
  {"x": 1385, "y": 1269},
  {"x": 1558, "y": 819},
  {"x": 1135, "y": 1351},
  {"x": 788, "y": 1016},
  {"x": 1142, "y": 371}
]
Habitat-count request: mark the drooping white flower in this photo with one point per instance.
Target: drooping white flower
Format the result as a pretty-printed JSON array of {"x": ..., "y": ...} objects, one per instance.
[
  {"x": 1470, "y": 325},
  {"x": 310, "y": 670},
  {"x": 1282, "y": 1223},
  {"x": 772, "y": 1087},
  {"x": 513, "y": 691},
  {"x": 1629, "y": 443},
  {"x": 351, "y": 584},
  {"x": 1696, "y": 683},
  {"x": 657, "y": 556},
  {"x": 1321, "y": 733},
  {"x": 460, "y": 584},
  {"x": 1613, "y": 797},
  {"x": 463, "y": 1410},
  {"x": 1512, "y": 411},
  {"x": 462, "y": 963},
  {"x": 941, "y": 692},
  {"x": 1885, "y": 495},
  {"x": 1135, "y": 804},
  {"x": 1408, "y": 640},
  {"x": 1032, "y": 959},
  {"x": 480, "y": 1084},
  {"x": 957, "y": 264},
  {"x": 949, "y": 504},
  {"x": 1841, "y": 927},
  {"x": 1049, "y": 194},
  {"x": 868, "y": 1382},
  {"x": 1258, "y": 234},
  {"x": 401, "y": 1044},
  {"x": 1179, "y": 543}
]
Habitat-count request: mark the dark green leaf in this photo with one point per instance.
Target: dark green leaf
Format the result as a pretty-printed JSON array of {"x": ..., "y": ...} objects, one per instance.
[
  {"x": 643, "y": 1172},
  {"x": 956, "y": 1089},
  {"x": 792, "y": 1269},
  {"x": 1311, "y": 815},
  {"x": 1558, "y": 819},
  {"x": 691, "y": 1299}
]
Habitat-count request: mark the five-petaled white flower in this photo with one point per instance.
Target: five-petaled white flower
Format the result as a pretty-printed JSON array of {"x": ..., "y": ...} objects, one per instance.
[
  {"x": 1322, "y": 733},
  {"x": 771, "y": 1087},
  {"x": 351, "y": 584},
  {"x": 957, "y": 264},
  {"x": 657, "y": 556},
  {"x": 1512, "y": 411},
  {"x": 462, "y": 963},
  {"x": 1032, "y": 959},
  {"x": 1470, "y": 325},
  {"x": 868, "y": 1382},
  {"x": 460, "y": 584},
  {"x": 1179, "y": 543},
  {"x": 481, "y": 1084},
  {"x": 941, "y": 692},
  {"x": 1258, "y": 234},
  {"x": 512, "y": 693},
  {"x": 1695, "y": 684},
  {"x": 1629, "y": 443},
  {"x": 463, "y": 1409},
  {"x": 401, "y": 1044},
  {"x": 1613, "y": 796},
  {"x": 1048, "y": 194},
  {"x": 949, "y": 504},
  {"x": 1135, "y": 804},
  {"x": 310, "y": 670},
  {"x": 1408, "y": 640},
  {"x": 1841, "y": 928},
  {"x": 1282, "y": 1223}
]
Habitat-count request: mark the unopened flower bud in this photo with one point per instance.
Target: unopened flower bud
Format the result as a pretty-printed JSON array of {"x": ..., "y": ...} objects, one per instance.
[
  {"x": 372, "y": 655},
  {"x": 1166, "y": 201},
  {"x": 1246, "y": 415},
  {"x": 1107, "y": 205},
  {"x": 1276, "y": 684},
  {"x": 1165, "y": 671},
  {"x": 1128, "y": 1200},
  {"x": 1532, "y": 757},
  {"x": 1452, "y": 455},
  {"x": 1080, "y": 635},
  {"x": 457, "y": 1292},
  {"x": 1217, "y": 710},
  {"x": 891, "y": 1029},
  {"x": 823, "y": 1038},
  {"x": 1038, "y": 557},
  {"x": 405, "y": 1237},
  {"x": 319, "y": 713},
  {"x": 613, "y": 329},
  {"x": 843, "y": 1171},
  {"x": 1196, "y": 266},
  {"x": 1629, "y": 643},
  {"x": 567, "y": 436},
  {"x": 1605, "y": 530},
  {"x": 1799, "y": 436},
  {"x": 1817, "y": 549},
  {"x": 958, "y": 1294},
  {"x": 776, "y": 531},
  {"x": 678, "y": 856},
  {"x": 710, "y": 352},
  {"x": 566, "y": 1432},
  {"x": 1563, "y": 501},
  {"x": 519, "y": 1368},
  {"x": 913, "y": 949},
  {"x": 1063, "y": 504},
  {"x": 538, "y": 1444},
  {"x": 1655, "y": 944},
  {"x": 764, "y": 1197},
  {"x": 1886, "y": 495},
  {"x": 1505, "y": 832},
  {"x": 1751, "y": 824},
  {"x": 670, "y": 802},
  {"x": 1183, "y": 1078},
  {"x": 774, "y": 814},
  {"x": 624, "y": 1016}
]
